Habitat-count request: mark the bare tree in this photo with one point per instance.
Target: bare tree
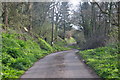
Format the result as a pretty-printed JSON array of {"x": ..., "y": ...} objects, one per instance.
[{"x": 52, "y": 37}]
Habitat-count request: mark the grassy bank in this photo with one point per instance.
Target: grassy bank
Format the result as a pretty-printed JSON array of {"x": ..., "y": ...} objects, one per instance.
[
  {"x": 103, "y": 60},
  {"x": 20, "y": 51}
]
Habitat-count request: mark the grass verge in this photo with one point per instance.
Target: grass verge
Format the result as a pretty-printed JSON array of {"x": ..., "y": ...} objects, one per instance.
[{"x": 103, "y": 60}]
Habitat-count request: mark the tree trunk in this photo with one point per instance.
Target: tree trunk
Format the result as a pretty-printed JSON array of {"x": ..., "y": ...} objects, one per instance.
[
  {"x": 0, "y": 14},
  {"x": 5, "y": 18},
  {"x": 0, "y": 21},
  {"x": 56, "y": 29},
  {"x": 110, "y": 10},
  {"x": 106, "y": 28},
  {"x": 52, "y": 36},
  {"x": 64, "y": 28},
  {"x": 119, "y": 21},
  {"x": 30, "y": 12},
  {"x": 93, "y": 21}
]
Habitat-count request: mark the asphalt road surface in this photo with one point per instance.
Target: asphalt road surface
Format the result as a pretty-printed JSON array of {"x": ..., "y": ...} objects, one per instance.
[{"x": 64, "y": 64}]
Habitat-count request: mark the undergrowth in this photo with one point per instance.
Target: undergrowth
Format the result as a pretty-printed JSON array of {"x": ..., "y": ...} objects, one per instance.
[
  {"x": 103, "y": 60},
  {"x": 19, "y": 52}
]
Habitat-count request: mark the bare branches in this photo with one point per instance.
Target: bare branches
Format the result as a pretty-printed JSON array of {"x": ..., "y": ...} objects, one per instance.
[{"x": 107, "y": 13}]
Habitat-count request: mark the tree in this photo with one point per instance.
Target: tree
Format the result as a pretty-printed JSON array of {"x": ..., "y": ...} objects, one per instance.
[
  {"x": 64, "y": 10},
  {"x": 119, "y": 21},
  {"x": 0, "y": 14},
  {"x": 99, "y": 21},
  {"x": 5, "y": 14},
  {"x": 52, "y": 37}
]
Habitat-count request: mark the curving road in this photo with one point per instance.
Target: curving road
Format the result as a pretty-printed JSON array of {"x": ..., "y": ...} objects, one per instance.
[{"x": 64, "y": 64}]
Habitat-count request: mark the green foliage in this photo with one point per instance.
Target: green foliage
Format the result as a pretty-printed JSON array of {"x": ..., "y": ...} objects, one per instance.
[
  {"x": 44, "y": 45},
  {"x": 6, "y": 59},
  {"x": 18, "y": 55},
  {"x": 71, "y": 40},
  {"x": 59, "y": 48},
  {"x": 8, "y": 72},
  {"x": 21, "y": 63},
  {"x": 1, "y": 24},
  {"x": 103, "y": 60},
  {"x": 60, "y": 44}
]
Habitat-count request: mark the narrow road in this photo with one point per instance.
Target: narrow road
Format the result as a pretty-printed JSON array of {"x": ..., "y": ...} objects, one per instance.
[{"x": 64, "y": 64}]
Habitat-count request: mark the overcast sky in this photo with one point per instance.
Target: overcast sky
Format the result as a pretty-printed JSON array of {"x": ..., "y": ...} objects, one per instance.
[{"x": 74, "y": 3}]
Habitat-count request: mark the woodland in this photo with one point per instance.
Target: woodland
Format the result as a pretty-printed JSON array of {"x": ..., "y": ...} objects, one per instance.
[{"x": 31, "y": 30}]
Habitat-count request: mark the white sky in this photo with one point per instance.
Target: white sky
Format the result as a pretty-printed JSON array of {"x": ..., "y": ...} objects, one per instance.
[{"x": 74, "y": 2}]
